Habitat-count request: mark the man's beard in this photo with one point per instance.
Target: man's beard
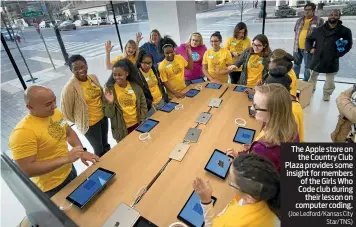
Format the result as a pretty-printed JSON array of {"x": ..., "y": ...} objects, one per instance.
[{"x": 332, "y": 21}]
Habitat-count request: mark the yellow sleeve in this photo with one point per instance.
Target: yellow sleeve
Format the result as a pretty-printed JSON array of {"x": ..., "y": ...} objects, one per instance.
[
  {"x": 116, "y": 59},
  {"x": 23, "y": 143},
  {"x": 162, "y": 73},
  {"x": 299, "y": 119},
  {"x": 181, "y": 59},
  {"x": 228, "y": 44},
  {"x": 205, "y": 58},
  {"x": 228, "y": 58},
  {"x": 248, "y": 44}
]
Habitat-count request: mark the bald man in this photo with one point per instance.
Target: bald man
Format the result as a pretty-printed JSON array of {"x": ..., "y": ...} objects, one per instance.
[
  {"x": 39, "y": 143},
  {"x": 321, "y": 44}
]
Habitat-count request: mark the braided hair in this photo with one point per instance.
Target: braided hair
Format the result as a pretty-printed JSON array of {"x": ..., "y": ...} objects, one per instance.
[{"x": 257, "y": 177}]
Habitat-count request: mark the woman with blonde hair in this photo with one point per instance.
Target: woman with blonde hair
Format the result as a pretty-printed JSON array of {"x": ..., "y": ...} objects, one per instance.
[
  {"x": 273, "y": 107},
  {"x": 280, "y": 54},
  {"x": 198, "y": 48},
  {"x": 130, "y": 53},
  {"x": 151, "y": 46},
  {"x": 254, "y": 62}
]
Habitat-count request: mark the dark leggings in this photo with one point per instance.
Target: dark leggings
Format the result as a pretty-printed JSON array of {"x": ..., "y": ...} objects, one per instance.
[
  {"x": 97, "y": 136},
  {"x": 235, "y": 77}
]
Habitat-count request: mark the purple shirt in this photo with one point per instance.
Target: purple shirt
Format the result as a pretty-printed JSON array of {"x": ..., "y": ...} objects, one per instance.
[{"x": 197, "y": 55}]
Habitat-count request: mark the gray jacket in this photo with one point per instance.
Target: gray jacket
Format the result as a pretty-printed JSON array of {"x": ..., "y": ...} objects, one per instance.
[{"x": 243, "y": 60}]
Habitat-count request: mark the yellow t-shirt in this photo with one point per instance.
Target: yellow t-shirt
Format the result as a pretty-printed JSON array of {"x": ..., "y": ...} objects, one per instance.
[
  {"x": 293, "y": 86},
  {"x": 260, "y": 135},
  {"x": 45, "y": 138},
  {"x": 92, "y": 96},
  {"x": 299, "y": 119},
  {"x": 217, "y": 60},
  {"x": 303, "y": 33},
  {"x": 173, "y": 72},
  {"x": 236, "y": 215},
  {"x": 131, "y": 58},
  {"x": 153, "y": 86},
  {"x": 235, "y": 45},
  {"x": 127, "y": 100},
  {"x": 254, "y": 70}
]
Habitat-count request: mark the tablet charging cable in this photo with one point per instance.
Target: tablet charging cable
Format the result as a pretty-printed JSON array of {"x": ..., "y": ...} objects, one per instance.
[
  {"x": 139, "y": 196},
  {"x": 144, "y": 136},
  {"x": 66, "y": 208},
  {"x": 199, "y": 87},
  {"x": 178, "y": 224},
  {"x": 240, "y": 122},
  {"x": 179, "y": 107}
]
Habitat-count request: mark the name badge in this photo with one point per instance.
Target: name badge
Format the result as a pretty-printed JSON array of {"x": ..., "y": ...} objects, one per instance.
[
  {"x": 233, "y": 43},
  {"x": 130, "y": 91},
  {"x": 168, "y": 66},
  {"x": 62, "y": 123},
  {"x": 211, "y": 56},
  {"x": 313, "y": 25},
  {"x": 147, "y": 78}
]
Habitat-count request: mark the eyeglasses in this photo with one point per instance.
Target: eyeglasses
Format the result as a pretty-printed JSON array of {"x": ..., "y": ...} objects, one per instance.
[
  {"x": 146, "y": 63},
  {"x": 257, "y": 45},
  {"x": 257, "y": 109}
]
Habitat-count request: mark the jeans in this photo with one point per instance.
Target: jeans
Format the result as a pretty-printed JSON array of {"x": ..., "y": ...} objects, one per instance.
[
  {"x": 155, "y": 108},
  {"x": 329, "y": 85},
  {"x": 298, "y": 58},
  {"x": 72, "y": 175},
  {"x": 187, "y": 82},
  {"x": 97, "y": 136},
  {"x": 235, "y": 77}
]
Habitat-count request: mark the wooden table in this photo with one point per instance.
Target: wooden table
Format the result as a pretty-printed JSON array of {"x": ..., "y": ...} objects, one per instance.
[
  {"x": 136, "y": 163},
  {"x": 162, "y": 203}
]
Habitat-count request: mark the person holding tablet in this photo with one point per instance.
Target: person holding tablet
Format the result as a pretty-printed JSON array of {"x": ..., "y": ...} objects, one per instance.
[
  {"x": 273, "y": 107},
  {"x": 82, "y": 103},
  {"x": 171, "y": 69},
  {"x": 236, "y": 45},
  {"x": 216, "y": 61},
  {"x": 151, "y": 83},
  {"x": 279, "y": 54},
  {"x": 256, "y": 184},
  {"x": 126, "y": 107},
  {"x": 131, "y": 52},
  {"x": 198, "y": 49},
  {"x": 254, "y": 62}
]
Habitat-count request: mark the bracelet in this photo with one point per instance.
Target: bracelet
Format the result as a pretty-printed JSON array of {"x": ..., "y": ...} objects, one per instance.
[
  {"x": 144, "y": 136},
  {"x": 179, "y": 107},
  {"x": 206, "y": 203}
]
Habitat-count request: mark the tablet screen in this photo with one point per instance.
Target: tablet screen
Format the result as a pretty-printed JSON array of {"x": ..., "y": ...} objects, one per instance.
[
  {"x": 213, "y": 86},
  {"x": 240, "y": 88},
  {"x": 218, "y": 164},
  {"x": 196, "y": 81},
  {"x": 192, "y": 212},
  {"x": 147, "y": 126},
  {"x": 244, "y": 135},
  {"x": 192, "y": 92},
  {"x": 90, "y": 187},
  {"x": 143, "y": 222},
  {"x": 169, "y": 107}
]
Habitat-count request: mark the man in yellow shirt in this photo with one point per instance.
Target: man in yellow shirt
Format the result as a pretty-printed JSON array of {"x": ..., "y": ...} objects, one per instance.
[
  {"x": 39, "y": 143},
  {"x": 304, "y": 27}
]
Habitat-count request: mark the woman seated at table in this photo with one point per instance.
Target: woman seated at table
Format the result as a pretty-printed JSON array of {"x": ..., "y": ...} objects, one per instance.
[
  {"x": 280, "y": 54},
  {"x": 273, "y": 107},
  {"x": 171, "y": 69},
  {"x": 151, "y": 83},
  {"x": 216, "y": 61},
  {"x": 278, "y": 73},
  {"x": 257, "y": 195},
  {"x": 130, "y": 53},
  {"x": 82, "y": 103},
  {"x": 236, "y": 45},
  {"x": 254, "y": 62},
  {"x": 126, "y": 106},
  {"x": 198, "y": 49}
]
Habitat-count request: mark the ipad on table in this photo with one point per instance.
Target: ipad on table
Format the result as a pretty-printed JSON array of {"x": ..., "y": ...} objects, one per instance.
[
  {"x": 197, "y": 81},
  {"x": 192, "y": 92},
  {"x": 213, "y": 86},
  {"x": 90, "y": 187},
  {"x": 239, "y": 88},
  {"x": 219, "y": 164},
  {"x": 192, "y": 135},
  {"x": 251, "y": 112},
  {"x": 192, "y": 212},
  {"x": 244, "y": 135},
  {"x": 203, "y": 118},
  {"x": 147, "y": 126},
  {"x": 123, "y": 215},
  {"x": 168, "y": 107},
  {"x": 143, "y": 222}
]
